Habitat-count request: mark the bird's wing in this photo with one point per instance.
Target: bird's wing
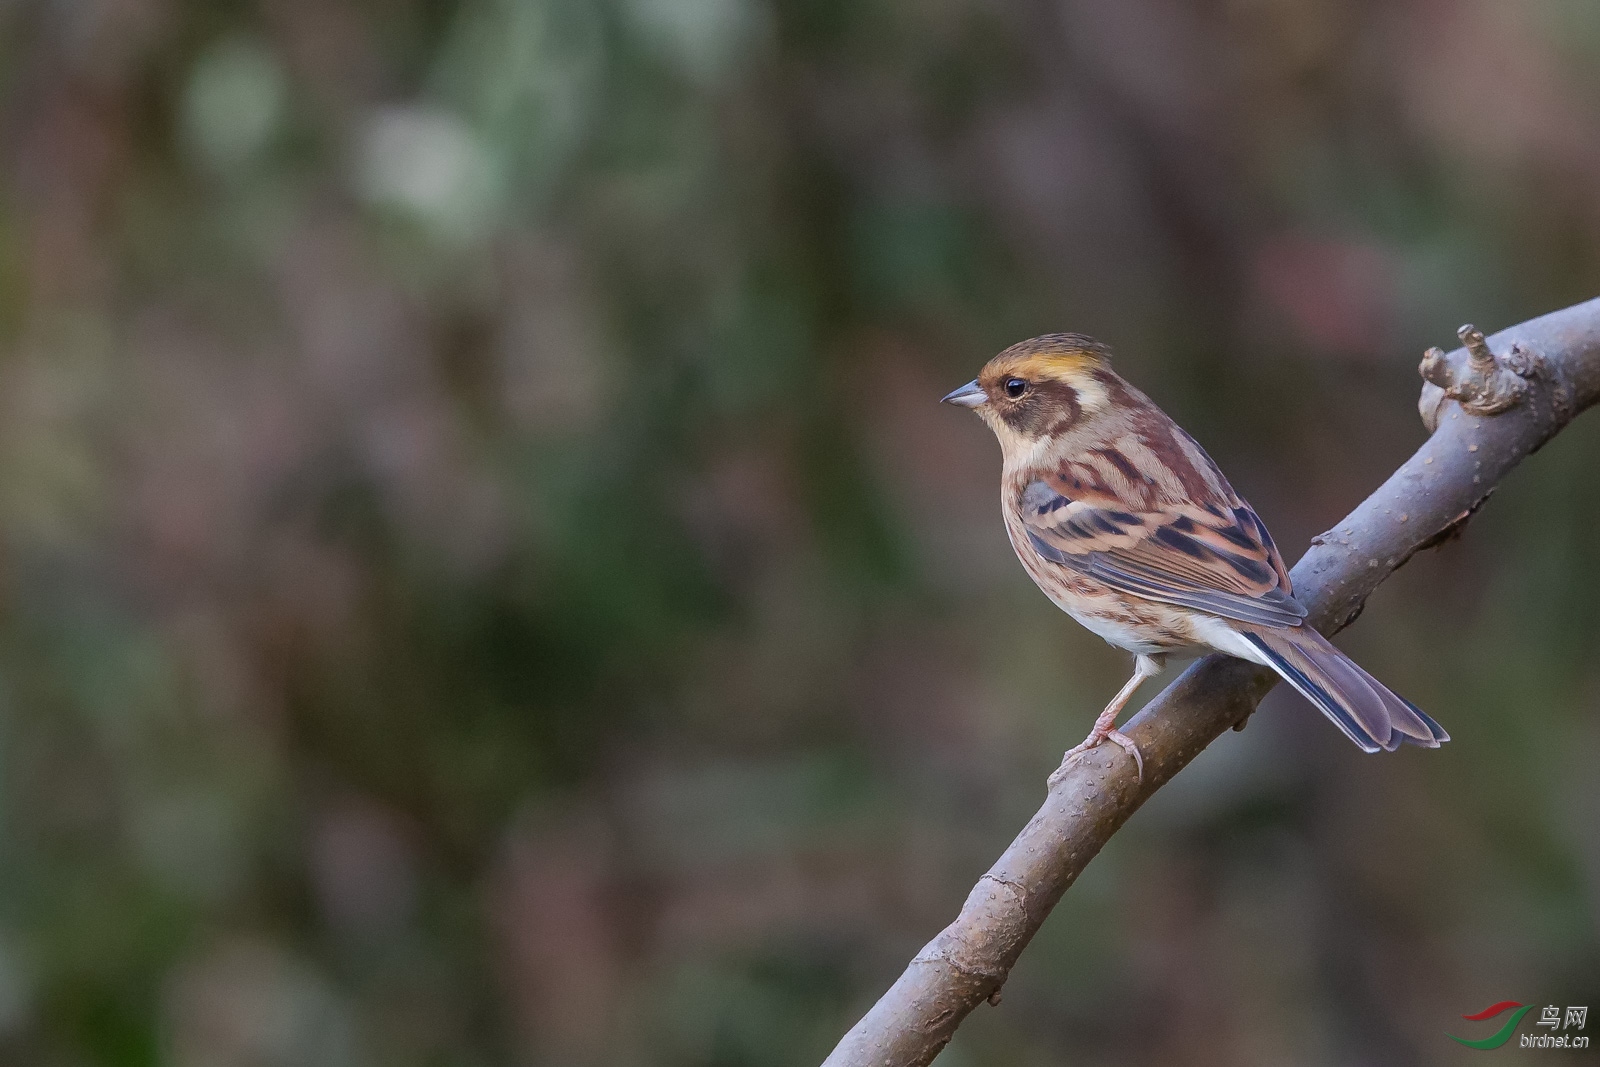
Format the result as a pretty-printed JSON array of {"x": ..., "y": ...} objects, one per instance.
[{"x": 1217, "y": 558}]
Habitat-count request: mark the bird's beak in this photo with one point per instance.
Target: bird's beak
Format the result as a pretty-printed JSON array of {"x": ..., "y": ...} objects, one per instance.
[{"x": 970, "y": 395}]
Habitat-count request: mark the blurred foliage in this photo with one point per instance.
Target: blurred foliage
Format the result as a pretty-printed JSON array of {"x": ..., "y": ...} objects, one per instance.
[{"x": 487, "y": 582}]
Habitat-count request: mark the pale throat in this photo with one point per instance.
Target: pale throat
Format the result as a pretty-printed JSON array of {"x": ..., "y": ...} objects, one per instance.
[{"x": 1022, "y": 454}]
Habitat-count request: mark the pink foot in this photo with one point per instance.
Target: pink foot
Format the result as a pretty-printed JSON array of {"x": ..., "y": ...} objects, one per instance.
[{"x": 1093, "y": 741}]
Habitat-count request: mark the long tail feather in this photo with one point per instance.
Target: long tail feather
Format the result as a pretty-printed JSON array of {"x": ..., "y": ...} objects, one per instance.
[{"x": 1360, "y": 705}]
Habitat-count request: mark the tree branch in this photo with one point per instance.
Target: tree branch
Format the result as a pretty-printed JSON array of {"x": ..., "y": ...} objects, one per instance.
[{"x": 1489, "y": 404}]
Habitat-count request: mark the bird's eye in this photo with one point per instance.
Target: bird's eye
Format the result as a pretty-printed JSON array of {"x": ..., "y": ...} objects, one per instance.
[{"x": 1015, "y": 387}]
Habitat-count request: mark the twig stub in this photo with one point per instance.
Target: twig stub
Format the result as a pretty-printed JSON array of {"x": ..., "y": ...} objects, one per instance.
[{"x": 1482, "y": 383}]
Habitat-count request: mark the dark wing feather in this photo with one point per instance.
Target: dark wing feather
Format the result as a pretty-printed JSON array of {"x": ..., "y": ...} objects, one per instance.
[{"x": 1216, "y": 559}]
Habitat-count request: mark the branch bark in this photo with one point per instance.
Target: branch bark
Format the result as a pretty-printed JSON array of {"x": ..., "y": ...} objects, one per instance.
[{"x": 1489, "y": 404}]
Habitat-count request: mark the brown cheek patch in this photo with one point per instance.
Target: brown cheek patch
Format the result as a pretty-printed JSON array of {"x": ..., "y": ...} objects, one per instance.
[{"x": 1050, "y": 408}]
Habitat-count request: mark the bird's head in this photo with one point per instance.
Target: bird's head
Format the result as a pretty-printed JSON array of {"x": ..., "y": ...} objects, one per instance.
[{"x": 1039, "y": 389}]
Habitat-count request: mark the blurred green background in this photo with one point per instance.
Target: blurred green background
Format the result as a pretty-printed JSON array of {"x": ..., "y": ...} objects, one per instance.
[{"x": 486, "y": 579}]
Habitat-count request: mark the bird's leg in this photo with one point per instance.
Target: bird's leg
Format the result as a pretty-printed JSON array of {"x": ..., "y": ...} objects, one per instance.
[{"x": 1105, "y": 726}]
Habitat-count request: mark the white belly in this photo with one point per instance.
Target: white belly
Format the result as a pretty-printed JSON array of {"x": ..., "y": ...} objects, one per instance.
[
  {"x": 1207, "y": 631},
  {"x": 1119, "y": 634}
]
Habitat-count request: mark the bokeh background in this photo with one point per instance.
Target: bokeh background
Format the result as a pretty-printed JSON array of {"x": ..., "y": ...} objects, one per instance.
[{"x": 486, "y": 579}]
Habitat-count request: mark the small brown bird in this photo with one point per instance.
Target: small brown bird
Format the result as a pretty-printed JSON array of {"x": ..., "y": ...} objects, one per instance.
[{"x": 1128, "y": 526}]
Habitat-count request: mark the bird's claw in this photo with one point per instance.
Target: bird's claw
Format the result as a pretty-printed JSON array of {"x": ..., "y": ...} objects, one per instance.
[
  {"x": 1131, "y": 749},
  {"x": 1121, "y": 739}
]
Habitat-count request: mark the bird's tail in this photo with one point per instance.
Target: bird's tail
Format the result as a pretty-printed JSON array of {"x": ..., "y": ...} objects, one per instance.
[{"x": 1359, "y": 704}]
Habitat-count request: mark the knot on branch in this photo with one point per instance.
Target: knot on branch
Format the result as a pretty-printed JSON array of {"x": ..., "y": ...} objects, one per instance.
[{"x": 1481, "y": 382}]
